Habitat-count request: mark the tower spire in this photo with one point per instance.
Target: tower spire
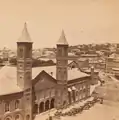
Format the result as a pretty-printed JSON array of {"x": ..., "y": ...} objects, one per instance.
[
  {"x": 25, "y": 37},
  {"x": 61, "y": 70},
  {"x": 62, "y": 40},
  {"x": 24, "y": 71}
]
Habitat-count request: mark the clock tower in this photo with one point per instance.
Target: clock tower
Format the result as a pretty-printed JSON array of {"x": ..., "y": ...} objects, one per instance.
[
  {"x": 24, "y": 71},
  {"x": 61, "y": 70}
]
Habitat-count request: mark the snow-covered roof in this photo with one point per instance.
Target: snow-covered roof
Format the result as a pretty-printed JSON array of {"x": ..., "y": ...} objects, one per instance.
[
  {"x": 82, "y": 59},
  {"x": 71, "y": 54},
  {"x": 89, "y": 55},
  {"x": 8, "y": 81},
  {"x": 8, "y": 77},
  {"x": 89, "y": 70},
  {"x": 116, "y": 69}
]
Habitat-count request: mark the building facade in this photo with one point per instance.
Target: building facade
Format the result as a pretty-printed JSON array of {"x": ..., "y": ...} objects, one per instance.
[
  {"x": 112, "y": 63},
  {"x": 27, "y": 91}
]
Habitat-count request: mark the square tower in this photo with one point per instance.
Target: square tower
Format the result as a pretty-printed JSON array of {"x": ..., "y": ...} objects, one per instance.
[
  {"x": 62, "y": 70},
  {"x": 24, "y": 71}
]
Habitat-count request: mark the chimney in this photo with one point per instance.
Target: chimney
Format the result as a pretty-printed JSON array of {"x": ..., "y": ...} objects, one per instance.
[
  {"x": 92, "y": 74},
  {"x": 51, "y": 73}
]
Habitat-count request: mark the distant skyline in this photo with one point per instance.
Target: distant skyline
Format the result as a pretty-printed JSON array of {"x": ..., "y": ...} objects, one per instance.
[{"x": 83, "y": 21}]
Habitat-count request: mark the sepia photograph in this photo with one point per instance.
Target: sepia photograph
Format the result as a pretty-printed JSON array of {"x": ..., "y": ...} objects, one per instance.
[{"x": 59, "y": 59}]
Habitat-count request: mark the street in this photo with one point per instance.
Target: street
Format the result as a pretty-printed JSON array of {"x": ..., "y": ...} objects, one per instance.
[
  {"x": 106, "y": 111},
  {"x": 98, "y": 112}
]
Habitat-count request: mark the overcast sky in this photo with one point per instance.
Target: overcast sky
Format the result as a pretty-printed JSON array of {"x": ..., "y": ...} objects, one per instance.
[{"x": 84, "y": 21}]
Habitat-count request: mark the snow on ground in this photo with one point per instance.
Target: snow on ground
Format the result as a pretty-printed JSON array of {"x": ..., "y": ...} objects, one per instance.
[
  {"x": 98, "y": 112},
  {"x": 77, "y": 105}
]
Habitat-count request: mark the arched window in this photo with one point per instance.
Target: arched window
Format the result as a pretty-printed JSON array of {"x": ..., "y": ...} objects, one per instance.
[
  {"x": 7, "y": 106},
  {"x": 28, "y": 51},
  {"x": 59, "y": 52},
  {"x": 17, "y": 117},
  {"x": 21, "y": 52},
  {"x": 41, "y": 107},
  {"x": 28, "y": 76},
  {"x": 16, "y": 104},
  {"x": 52, "y": 103},
  {"x": 8, "y": 118},
  {"x": 47, "y": 105}
]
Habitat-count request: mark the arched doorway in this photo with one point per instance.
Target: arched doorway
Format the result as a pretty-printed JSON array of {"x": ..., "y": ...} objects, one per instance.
[
  {"x": 28, "y": 117},
  {"x": 36, "y": 109},
  {"x": 18, "y": 117},
  {"x": 8, "y": 118},
  {"x": 47, "y": 105},
  {"x": 52, "y": 103},
  {"x": 41, "y": 108}
]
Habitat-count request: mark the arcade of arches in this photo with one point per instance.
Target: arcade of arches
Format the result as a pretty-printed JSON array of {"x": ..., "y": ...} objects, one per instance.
[
  {"x": 77, "y": 95},
  {"x": 44, "y": 106},
  {"x": 74, "y": 95},
  {"x": 17, "y": 117}
]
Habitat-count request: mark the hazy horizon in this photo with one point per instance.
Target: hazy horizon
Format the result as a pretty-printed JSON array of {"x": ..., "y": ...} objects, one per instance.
[{"x": 83, "y": 21}]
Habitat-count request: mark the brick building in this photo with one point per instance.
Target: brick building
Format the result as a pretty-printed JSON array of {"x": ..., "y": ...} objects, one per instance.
[{"x": 27, "y": 91}]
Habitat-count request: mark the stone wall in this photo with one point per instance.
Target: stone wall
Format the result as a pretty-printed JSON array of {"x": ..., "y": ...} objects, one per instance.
[{"x": 11, "y": 105}]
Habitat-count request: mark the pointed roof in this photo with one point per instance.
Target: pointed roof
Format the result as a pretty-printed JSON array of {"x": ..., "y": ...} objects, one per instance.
[
  {"x": 25, "y": 37},
  {"x": 62, "y": 40}
]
